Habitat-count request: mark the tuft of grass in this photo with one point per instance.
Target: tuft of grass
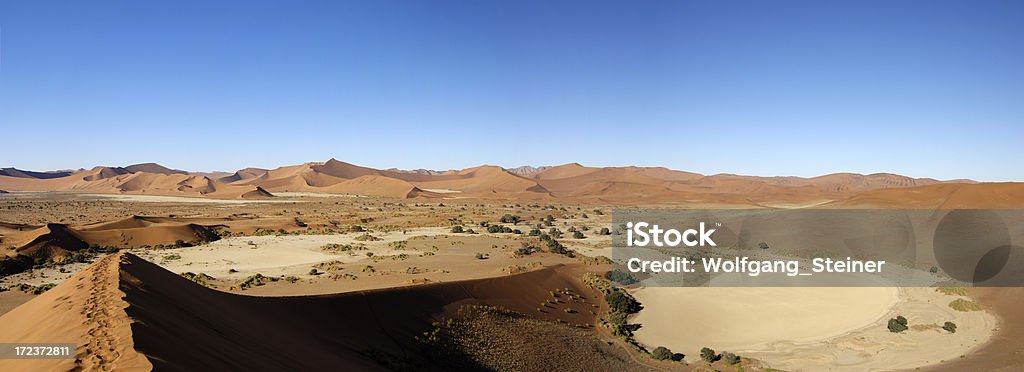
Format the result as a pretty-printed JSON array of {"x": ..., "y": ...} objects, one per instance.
[
  {"x": 201, "y": 279},
  {"x": 367, "y": 238},
  {"x": 965, "y": 305},
  {"x": 954, "y": 291},
  {"x": 43, "y": 288}
]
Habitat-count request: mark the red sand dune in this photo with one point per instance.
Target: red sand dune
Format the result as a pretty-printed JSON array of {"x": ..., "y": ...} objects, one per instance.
[
  {"x": 57, "y": 242},
  {"x": 572, "y": 182},
  {"x": 944, "y": 196},
  {"x": 126, "y": 313}
]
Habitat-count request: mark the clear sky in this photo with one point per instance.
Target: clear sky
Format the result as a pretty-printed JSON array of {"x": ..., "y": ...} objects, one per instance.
[{"x": 922, "y": 88}]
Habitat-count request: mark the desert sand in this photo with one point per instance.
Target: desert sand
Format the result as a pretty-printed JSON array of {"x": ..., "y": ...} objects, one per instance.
[
  {"x": 812, "y": 328},
  {"x": 410, "y": 269},
  {"x": 210, "y": 329}
]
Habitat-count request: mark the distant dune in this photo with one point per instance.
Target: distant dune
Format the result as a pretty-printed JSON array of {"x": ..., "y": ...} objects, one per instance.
[
  {"x": 58, "y": 242},
  {"x": 13, "y": 172},
  {"x": 153, "y": 168},
  {"x": 118, "y": 180},
  {"x": 569, "y": 182},
  {"x": 945, "y": 196},
  {"x": 242, "y": 174}
]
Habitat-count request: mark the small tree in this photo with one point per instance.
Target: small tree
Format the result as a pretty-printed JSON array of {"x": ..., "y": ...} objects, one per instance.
[
  {"x": 661, "y": 353},
  {"x": 898, "y": 324},
  {"x": 578, "y": 235},
  {"x": 619, "y": 301},
  {"x": 708, "y": 354},
  {"x": 620, "y": 277},
  {"x": 605, "y": 231},
  {"x": 949, "y": 326},
  {"x": 457, "y": 229}
]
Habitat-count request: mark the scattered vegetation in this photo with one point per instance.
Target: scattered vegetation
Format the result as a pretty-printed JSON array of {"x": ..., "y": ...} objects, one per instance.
[
  {"x": 526, "y": 249},
  {"x": 36, "y": 290},
  {"x": 597, "y": 260},
  {"x": 335, "y": 247},
  {"x": 619, "y": 276},
  {"x": 509, "y": 218},
  {"x": 367, "y": 238},
  {"x": 954, "y": 291},
  {"x": 500, "y": 229},
  {"x": 255, "y": 281},
  {"x": 201, "y": 279}
]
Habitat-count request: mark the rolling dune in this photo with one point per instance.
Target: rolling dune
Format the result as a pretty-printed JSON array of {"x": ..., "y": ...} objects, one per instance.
[{"x": 127, "y": 313}]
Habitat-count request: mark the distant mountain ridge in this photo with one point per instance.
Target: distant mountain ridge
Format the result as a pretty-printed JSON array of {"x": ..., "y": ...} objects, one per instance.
[{"x": 573, "y": 181}]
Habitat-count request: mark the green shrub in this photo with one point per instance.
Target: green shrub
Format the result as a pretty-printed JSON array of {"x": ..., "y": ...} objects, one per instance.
[
  {"x": 708, "y": 355},
  {"x": 949, "y": 326},
  {"x": 730, "y": 358},
  {"x": 43, "y": 288},
  {"x": 255, "y": 281},
  {"x": 898, "y": 324},
  {"x": 620, "y": 277},
  {"x": 661, "y": 353},
  {"x": 367, "y": 238},
  {"x": 620, "y": 301}
]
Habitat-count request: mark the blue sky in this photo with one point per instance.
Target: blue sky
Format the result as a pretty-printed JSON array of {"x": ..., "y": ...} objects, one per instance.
[{"x": 923, "y": 88}]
